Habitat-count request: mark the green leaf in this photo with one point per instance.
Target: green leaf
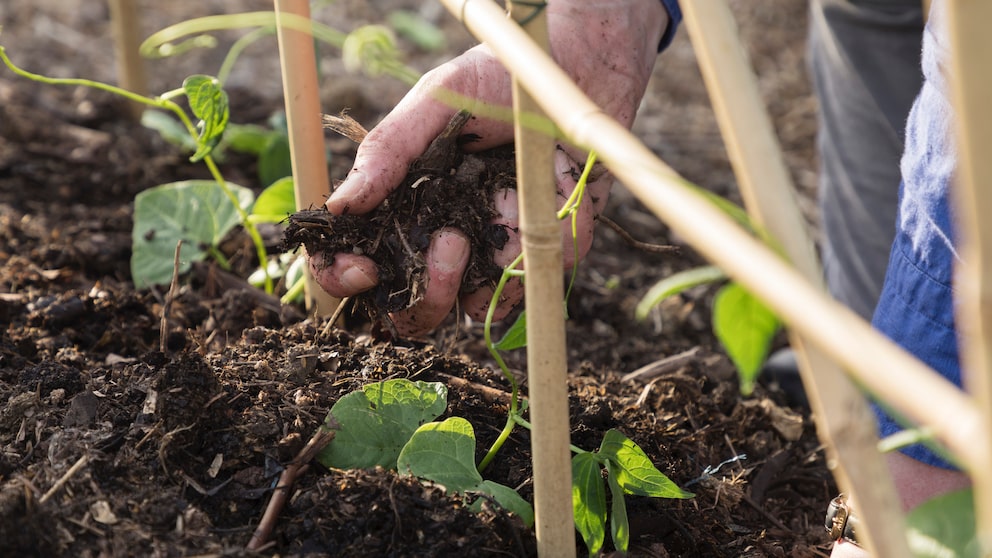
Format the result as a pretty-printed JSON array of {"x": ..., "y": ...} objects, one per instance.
[
  {"x": 196, "y": 211},
  {"x": 247, "y": 138},
  {"x": 169, "y": 128},
  {"x": 944, "y": 527},
  {"x": 378, "y": 421},
  {"x": 417, "y": 30},
  {"x": 633, "y": 469},
  {"x": 276, "y": 202},
  {"x": 589, "y": 501},
  {"x": 745, "y": 327},
  {"x": 209, "y": 103},
  {"x": 516, "y": 336},
  {"x": 619, "y": 526},
  {"x": 675, "y": 284},
  {"x": 444, "y": 452},
  {"x": 509, "y": 499},
  {"x": 274, "y": 161}
]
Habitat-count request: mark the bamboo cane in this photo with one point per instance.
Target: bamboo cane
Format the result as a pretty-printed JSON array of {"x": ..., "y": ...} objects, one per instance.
[
  {"x": 971, "y": 85},
  {"x": 877, "y": 364},
  {"x": 547, "y": 364},
  {"x": 126, "y": 27},
  {"x": 844, "y": 421},
  {"x": 306, "y": 136}
]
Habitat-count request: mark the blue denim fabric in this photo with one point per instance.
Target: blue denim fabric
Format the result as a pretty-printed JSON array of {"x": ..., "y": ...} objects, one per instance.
[{"x": 916, "y": 308}]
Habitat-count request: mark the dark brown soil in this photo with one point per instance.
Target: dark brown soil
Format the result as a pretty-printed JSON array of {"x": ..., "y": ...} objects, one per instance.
[{"x": 112, "y": 446}]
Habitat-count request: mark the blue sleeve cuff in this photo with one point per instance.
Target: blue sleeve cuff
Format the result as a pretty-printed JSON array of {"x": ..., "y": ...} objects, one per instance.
[{"x": 674, "y": 18}]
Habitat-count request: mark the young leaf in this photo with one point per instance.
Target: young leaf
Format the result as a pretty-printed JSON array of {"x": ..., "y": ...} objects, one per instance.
[
  {"x": 169, "y": 128},
  {"x": 208, "y": 101},
  {"x": 944, "y": 526},
  {"x": 516, "y": 336},
  {"x": 274, "y": 161},
  {"x": 247, "y": 138},
  {"x": 675, "y": 284},
  {"x": 619, "y": 526},
  {"x": 376, "y": 423},
  {"x": 444, "y": 452},
  {"x": 509, "y": 499},
  {"x": 745, "y": 327},
  {"x": 633, "y": 469},
  {"x": 275, "y": 203},
  {"x": 589, "y": 501},
  {"x": 196, "y": 211}
]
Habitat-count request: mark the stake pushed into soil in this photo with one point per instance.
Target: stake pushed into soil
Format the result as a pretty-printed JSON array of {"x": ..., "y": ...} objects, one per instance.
[
  {"x": 547, "y": 364},
  {"x": 306, "y": 139}
]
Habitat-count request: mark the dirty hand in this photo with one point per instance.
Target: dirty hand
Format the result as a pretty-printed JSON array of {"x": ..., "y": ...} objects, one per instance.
[{"x": 608, "y": 47}]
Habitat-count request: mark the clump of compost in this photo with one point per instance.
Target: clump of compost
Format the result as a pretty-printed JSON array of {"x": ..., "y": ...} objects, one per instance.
[{"x": 444, "y": 187}]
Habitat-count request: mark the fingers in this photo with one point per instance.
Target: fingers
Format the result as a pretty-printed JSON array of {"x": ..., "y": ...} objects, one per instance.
[
  {"x": 387, "y": 152},
  {"x": 447, "y": 259},
  {"x": 347, "y": 275},
  {"x": 476, "y": 304}
]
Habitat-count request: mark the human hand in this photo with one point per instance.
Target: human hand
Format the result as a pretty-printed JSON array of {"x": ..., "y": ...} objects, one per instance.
[{"x": 607, "y": 47}]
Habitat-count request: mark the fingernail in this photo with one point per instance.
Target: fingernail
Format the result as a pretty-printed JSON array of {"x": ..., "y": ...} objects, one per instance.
[
  {"x": 448, "y": 251},
  {"x": 347, "y": 190},
  {"x": 354, "y": 279}
]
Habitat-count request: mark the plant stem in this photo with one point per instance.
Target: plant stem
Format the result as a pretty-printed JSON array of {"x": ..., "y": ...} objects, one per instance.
[
  {"x": 523, "y": 422},
  {"x": 514, "y": 416},
  {"x": 508, "y": 272},
  {"x": 256, "y": 238}
]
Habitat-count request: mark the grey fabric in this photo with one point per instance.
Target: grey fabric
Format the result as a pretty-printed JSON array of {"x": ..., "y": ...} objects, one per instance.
[{"x": 864, "y": 58}]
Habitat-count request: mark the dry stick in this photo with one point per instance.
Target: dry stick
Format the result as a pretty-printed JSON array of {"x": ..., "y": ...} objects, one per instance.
[
  {"x": 663, "y": 366},
  {"x": 76, "y": 467},
  {"x": 547, "y": 365},
  {"x": 971, "y": 84},
  {"x": 843, "y": 418},
  {"x": 646, "y": 246},
  {"x": 306, "y": 138},
  {"x": 163, "y": 328},
  {"x": 908, "y": 385},
  {"x": 126, "y": 27},
  {"x": 280, "y": 493}
]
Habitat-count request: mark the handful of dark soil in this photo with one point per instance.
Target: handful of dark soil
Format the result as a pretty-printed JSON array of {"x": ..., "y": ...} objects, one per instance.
[{"x": 444, "y": 187}]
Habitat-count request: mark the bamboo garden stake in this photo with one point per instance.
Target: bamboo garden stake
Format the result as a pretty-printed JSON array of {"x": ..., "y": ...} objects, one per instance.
[
  {"x": 306, "y": 134},
  {"x": 547, "y": 364},
  {"x": 843, "y": 419},
  {"x": 971, "y": 85},
  {"x": 130, "y": 66},
  {"x": 911, "y": 387}
]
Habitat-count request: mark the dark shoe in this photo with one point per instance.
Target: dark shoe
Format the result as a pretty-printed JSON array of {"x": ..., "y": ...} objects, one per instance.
[{"x": 782, "y": 368}]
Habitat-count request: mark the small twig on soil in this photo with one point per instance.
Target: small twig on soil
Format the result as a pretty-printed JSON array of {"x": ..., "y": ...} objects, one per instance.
[
  {"x": 163, "y": 333},
  {"x": 663, "y": 366},
  {"x": 76, "y": 467},
  {"x": 646, "y": 246},
  {"x": 280, "y": 493},
  {"x": 490, "y": 394},
  {"x": 334, "y": 317}
]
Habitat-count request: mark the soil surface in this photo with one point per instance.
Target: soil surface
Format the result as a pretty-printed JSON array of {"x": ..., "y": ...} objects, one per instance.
[{"x": 115, "y": 444}]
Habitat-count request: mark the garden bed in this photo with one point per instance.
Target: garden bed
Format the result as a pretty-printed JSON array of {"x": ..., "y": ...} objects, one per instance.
[{"x": 113, "y": 446}]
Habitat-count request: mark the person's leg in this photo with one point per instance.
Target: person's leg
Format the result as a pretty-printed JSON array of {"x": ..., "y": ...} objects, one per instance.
[{"x": 864, "y": 58}]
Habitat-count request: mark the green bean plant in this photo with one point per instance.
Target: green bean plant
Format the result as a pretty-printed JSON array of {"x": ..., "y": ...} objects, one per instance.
[{"x": 202, "y": 212}]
